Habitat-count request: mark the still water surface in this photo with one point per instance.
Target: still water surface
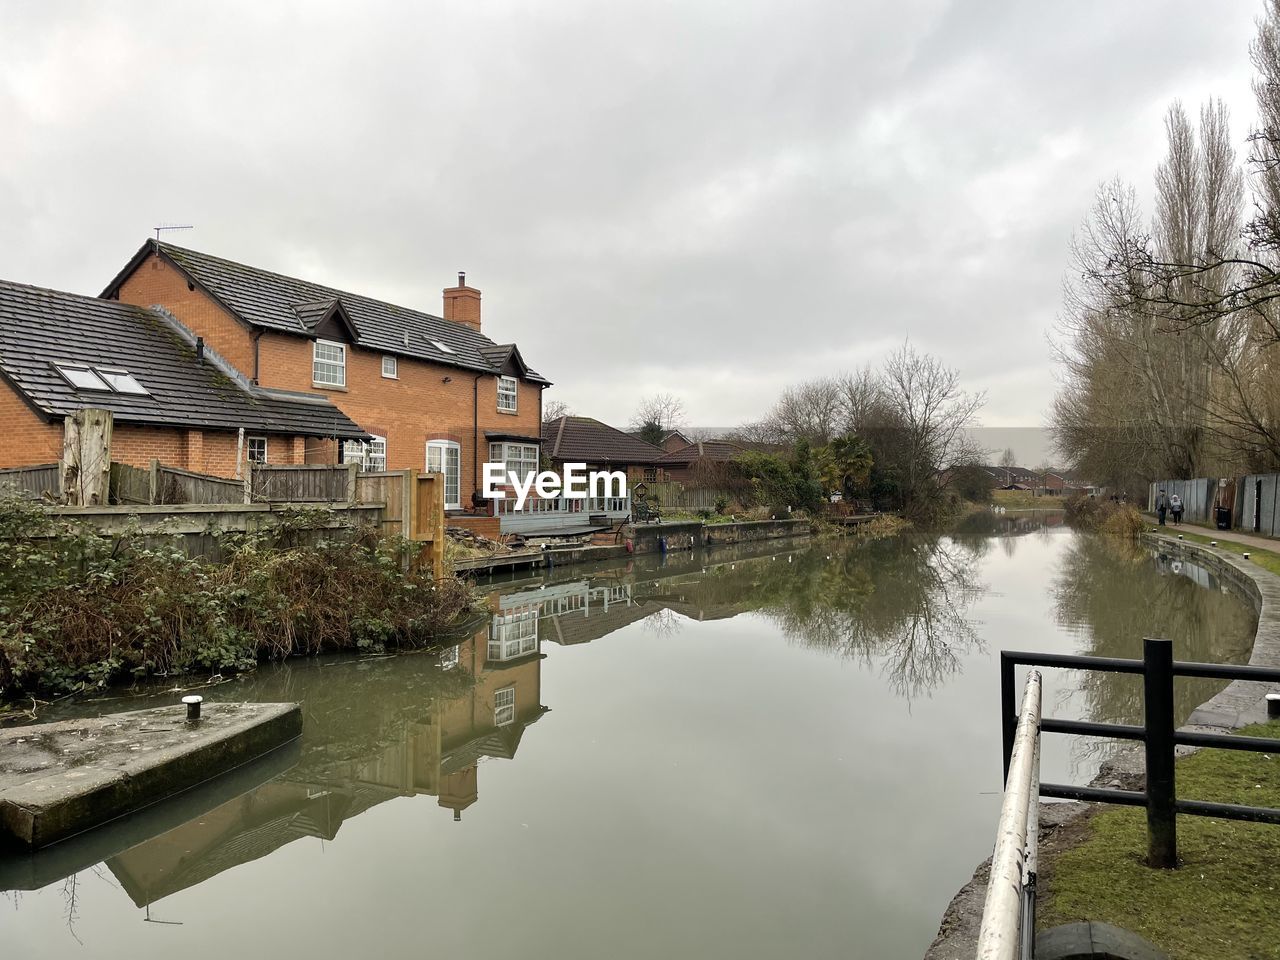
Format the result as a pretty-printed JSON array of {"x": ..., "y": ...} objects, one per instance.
[{"x": 756, "y": 752}]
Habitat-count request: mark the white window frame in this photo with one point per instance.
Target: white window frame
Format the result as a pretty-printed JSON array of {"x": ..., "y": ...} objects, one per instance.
[
  {"x": 508, "y": 389},
  {"x": 371, "y": 454},
  {"x": 329, "y": 365},
  {"x": 395, "y": 367},
  {"x": 513, "y": 635},
  {"x": 504, "y": 706},
  {"x": 248, "y": 448},
  {"x": 91, "y": 380},
  {"x": 122, "y": 381},
  {"x": 520, "y": 458},
  {"x": 444, "y": 448}
]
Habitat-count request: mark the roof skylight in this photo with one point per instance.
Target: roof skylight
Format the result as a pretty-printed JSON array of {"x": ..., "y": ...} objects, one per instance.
[
  {"x": 81, "y": 377},
  {"x": 442, "y": 347},
  {"x": 122, "y": 381}
]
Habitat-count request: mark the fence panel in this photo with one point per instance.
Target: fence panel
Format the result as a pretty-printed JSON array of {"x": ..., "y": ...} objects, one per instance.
[
  {"x": 302, "y": 484},
  {"x": 39, "y": 482},
  {"x": 184, "y": 486},
  {"x": 130, "y": 484},
  {"x": 390, "y": 487}
]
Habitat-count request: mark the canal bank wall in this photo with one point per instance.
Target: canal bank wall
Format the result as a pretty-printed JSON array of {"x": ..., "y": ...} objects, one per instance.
[
  {"x": 649, "y": 538},
  {"x": 1237, "y": 705}
]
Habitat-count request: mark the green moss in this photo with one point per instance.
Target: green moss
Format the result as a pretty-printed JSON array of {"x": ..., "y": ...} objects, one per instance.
[{"x": 1222, "y": 903}]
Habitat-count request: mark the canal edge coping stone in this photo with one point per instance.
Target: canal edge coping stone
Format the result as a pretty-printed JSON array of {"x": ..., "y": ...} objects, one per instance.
[{"x": 62, "y": 778}]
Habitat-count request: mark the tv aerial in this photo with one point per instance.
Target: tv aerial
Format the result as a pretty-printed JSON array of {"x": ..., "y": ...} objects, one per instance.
[{"x": 172, "y": 226}]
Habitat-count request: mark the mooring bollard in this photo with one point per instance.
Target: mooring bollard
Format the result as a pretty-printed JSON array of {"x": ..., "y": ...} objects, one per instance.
[
  {"x": 193, "y": 707},
  {"x": 1273, "y": 705}
]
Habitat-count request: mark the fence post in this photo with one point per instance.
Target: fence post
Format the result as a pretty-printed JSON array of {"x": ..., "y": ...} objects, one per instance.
[
  {"x": 352, "y": 469},
  {"x": 248, "y": 481},
  {"x": 153, "y": 482},
  {"x": 1162, "y": 834},
  {"x": 1008, "y": 718}
]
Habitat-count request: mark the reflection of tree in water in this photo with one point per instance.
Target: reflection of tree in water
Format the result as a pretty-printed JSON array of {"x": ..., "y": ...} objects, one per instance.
[
  {"x": 899, "y": 603},
  {"x": 1113, "y": 595},
  {"x": 903, "y": 607}
]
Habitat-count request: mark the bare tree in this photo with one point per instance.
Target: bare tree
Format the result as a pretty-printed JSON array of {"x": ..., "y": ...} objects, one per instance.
[
  {"x": 555, "y": 409},
  {"x": 1008, "y": 461},
  {"x": 663, "y": 409},
  {"x": 931, "y": 418}
]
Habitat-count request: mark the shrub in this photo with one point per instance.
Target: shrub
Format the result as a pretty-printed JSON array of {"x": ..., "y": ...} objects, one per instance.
[
  {"x": 1104, "y": 516},
  {"x": 722, "y": 505},
  {"x": 80, "y": 610}
]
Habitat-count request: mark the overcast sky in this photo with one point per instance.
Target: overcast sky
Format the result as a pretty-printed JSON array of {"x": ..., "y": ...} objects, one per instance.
[{"x": 707, "y": 199}]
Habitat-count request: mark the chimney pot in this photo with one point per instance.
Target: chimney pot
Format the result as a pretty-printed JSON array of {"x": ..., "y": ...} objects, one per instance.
[
  {"x": 200, "y": 349},
  {"x": 462, "y": 278}
]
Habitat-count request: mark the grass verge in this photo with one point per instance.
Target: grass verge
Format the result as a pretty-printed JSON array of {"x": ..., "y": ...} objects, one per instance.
[
  {"x": 1267, "y": 559},
  {"x": 1025, "y": 500},
  {"x": 1223, "y": 903}
]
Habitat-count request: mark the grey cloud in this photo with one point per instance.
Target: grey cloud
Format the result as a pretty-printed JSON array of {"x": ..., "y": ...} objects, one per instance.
[{"x": 707, "y": 198}]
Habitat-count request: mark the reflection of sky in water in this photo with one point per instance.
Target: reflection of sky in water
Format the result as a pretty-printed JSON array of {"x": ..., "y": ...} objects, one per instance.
[{"x": 752, "y": 753}]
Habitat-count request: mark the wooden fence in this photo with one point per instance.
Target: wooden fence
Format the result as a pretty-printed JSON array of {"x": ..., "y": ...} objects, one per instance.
[
  {"x": 311, "y": 483},
  {"x": 39, "y": 482},
  {"x": 676, "y": 496}
]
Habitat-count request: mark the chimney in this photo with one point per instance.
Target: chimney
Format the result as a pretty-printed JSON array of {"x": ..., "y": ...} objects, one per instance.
[{"x": 462, "y": 304}]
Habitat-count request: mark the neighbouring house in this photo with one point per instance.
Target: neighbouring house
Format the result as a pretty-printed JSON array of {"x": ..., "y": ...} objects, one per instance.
[
  {"x": 171, "y": 396},
  {"x": 698, "y": 463},
  {"x": 584, "y": 440},
  {"x": 601, "y": 447},
  {"x": 430, "y": 392},
  {"x": 672, "y": 440}
]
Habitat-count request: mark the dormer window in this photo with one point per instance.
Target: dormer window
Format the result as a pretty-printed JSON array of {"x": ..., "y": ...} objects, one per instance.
[{"x": 329, "y": 364}]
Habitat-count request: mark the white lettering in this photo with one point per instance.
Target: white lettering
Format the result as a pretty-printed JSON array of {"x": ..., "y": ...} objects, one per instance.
[
  {"x": 603, "y": 481},
  {"x": 548, "y": 485},
  {"x": 575, "y": 481},
  {"x": 522, "y": 492},
  {"x": 494, "y": 476}
]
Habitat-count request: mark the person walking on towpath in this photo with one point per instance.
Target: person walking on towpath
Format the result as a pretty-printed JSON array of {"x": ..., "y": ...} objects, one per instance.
[
  {"x": 1175, "y": 507},
  {"x": 1162, "y": 506}
]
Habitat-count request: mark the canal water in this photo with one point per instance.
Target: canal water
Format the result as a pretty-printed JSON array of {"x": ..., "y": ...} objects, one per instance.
[{"x": 758, "y": 752}]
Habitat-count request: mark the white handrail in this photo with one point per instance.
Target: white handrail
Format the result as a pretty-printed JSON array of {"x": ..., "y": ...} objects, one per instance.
[{"x": 998, "y": 938}]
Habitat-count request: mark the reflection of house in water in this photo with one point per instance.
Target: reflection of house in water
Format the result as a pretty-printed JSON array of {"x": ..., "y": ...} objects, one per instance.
[{"x": 420, "y": 731}]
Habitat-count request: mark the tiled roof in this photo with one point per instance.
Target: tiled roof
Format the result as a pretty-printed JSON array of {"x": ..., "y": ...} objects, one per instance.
[
  {"x": 704, "y": 449},
  {"x": 39, "y": 327},
  {"x": 276, "y": 302},
  {"x": 584, "y": 439}
]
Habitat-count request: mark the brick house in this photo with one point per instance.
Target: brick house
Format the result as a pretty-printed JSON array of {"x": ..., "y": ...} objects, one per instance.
[
  {"x": 171, "y": 398},
  {"x": 601, "y": 447},
  {"x": 431, "y": 392},
  {"x": 705, "y": 460}
]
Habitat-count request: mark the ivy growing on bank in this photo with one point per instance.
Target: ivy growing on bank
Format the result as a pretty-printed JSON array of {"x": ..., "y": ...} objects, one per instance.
[{"x": 79, "y": 610}]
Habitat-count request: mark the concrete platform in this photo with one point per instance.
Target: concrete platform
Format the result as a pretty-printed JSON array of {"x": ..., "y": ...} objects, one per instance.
[{"x": 60, "y": 779}]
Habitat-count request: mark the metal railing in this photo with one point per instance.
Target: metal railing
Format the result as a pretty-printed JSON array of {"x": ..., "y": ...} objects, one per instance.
[
  {"x": 1008, "y": 919},
  {"x": 1157, "y": 733},
  {"x": 1008, "y": 916}
]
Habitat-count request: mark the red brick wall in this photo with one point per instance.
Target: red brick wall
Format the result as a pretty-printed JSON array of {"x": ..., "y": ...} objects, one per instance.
[
  {"x": 156, "y": 282},
  {"x": 25, "y": 438},
  {"x": 416, "y": 407},
  {"x": 408, "y": 411}
]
